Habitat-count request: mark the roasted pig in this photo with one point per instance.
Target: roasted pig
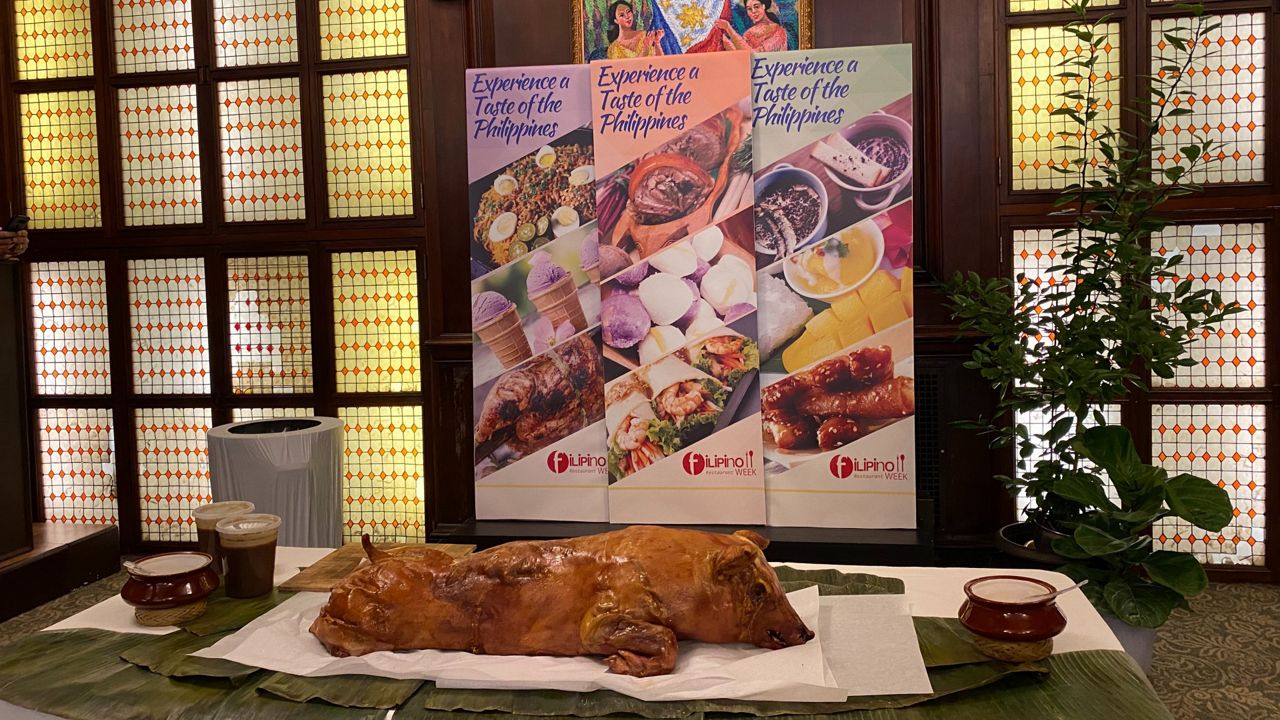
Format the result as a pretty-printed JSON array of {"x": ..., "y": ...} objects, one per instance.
[{"x": 628, "y": 596}]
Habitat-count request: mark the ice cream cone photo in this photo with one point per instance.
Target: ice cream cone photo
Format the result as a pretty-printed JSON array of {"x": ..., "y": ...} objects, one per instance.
[
  {"x": 558, "y": 301},
  {"x": 498, "y": 325}
]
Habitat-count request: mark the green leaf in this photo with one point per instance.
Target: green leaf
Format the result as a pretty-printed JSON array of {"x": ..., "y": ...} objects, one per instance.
[
  {"x": 1085, "y": 489},
  {"x": 1198, "y": 501},
  {"x": 1110, "y": 448},
  {"x": 1139, "y": 603},
  {"x": 1177, "y": 571},
  {"x": 1069, "y": 548},
  {"x": 1100, "y": 543}
]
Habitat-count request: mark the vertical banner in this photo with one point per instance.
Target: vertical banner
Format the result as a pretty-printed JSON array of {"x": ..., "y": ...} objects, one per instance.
[
  {"x": 833, "y": 240},
  {"x": 678, "y": 317},
  {"x": 535, "y": 296}
]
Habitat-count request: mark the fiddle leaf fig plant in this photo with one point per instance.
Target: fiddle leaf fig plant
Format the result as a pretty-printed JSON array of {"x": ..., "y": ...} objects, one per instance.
[
  {"x": 1110, "y": 542},
  {"x": 1096, "y": 325}
]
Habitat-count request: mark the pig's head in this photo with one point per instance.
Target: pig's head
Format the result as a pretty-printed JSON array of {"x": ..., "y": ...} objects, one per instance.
[{"x": 765, "y": 618}]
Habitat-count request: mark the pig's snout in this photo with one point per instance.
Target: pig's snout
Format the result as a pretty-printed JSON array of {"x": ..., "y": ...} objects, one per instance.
[{"x": 784, "y": 632}]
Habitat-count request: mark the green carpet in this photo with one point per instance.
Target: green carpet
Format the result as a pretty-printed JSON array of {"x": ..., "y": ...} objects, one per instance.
[{"x": 1217, "y": 662}]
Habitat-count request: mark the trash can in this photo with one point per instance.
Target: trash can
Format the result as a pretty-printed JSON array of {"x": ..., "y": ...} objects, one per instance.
[{"x": 291, "y": 467}]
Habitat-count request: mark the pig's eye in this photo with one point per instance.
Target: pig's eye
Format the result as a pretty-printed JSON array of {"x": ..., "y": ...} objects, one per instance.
[{"x": 760, "y": 591}]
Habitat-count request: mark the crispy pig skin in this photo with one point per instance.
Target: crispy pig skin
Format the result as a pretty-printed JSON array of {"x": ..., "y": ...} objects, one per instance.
[{"x": 628, "y": 595}]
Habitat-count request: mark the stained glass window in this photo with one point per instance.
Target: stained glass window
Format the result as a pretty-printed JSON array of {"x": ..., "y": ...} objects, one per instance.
[
  {"x": 270, "y": 302},
  {"x": 170, "y": 330},
  {"x": 1035, "y": 62},
  {"x": 160, "y": 155},
  {"x": 54, "y": 38},
  {"x": 173, "y": 470},
  {"x": 376, "y": 328},
  {"x": 261, "y": 130},
  {"x": 1227, "y": 88},
  {"x": 383, "y": 473},
  {"x": 1227, "y": 445},
  {"x": 1230, "y": 259},
  {"x": 153, "y": 35},
  {"x": 76, "y": 455},
  {"x": 366, "y": 117},
  {"x": 60, "y": 159},
  {"x": 268, "y": 413},
  {"x": 254, "y": 32},
  {"x": 69, "y": 328},
  {"x": 1021, "y": 6},
  {"x": 361, "y": 28},
  {"x": 1038, "y": 424}
]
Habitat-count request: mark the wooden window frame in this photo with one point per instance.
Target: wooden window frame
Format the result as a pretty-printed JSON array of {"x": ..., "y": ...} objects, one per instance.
[
  {"x": 317, "y": 237},
  {"x": 1219, "y": 203}
]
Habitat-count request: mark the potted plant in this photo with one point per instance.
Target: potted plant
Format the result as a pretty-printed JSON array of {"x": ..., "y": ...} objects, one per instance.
[{"x": 1120, "y": 313}]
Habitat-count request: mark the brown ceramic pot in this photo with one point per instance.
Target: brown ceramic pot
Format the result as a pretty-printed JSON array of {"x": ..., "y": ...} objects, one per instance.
[
  {"x": 169, "y": 580},
  {"x": 1009, "y": 619}
]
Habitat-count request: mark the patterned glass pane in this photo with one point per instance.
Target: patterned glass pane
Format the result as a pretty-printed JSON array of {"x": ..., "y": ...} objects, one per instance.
[
  {"x": 375, "y": 315},
  {"x": 170, "y": 332},
  {"x": 1035, "y": 57},
  {"x": 77, "y": 465},
  {"x": 173, "y": 470},
  {"x": 60, "y": 159},
  {"x": 153, "y": 35},
  {"x": 366, "y": 118},
  {"x": 54, "y": 38},
  {"x": 69, "y": 328},
  {"x": 361, "y": 28},
  {"x": 1229, "y": 259},
  {"x": 160, "y": 155},
  {"x": 267, "y": 413},
  {"x": 254, "y": 32},
  {"x": 383, "y": 473},
  {"x": 261, "y": 130},
  {"x": 1227, "y": 86},
  {"x": 1038, "y": 424},
  {"x": 1020, "y": 6},
  {"x": 1227, "y": 445},
  {"x": 270, "y": 301}
]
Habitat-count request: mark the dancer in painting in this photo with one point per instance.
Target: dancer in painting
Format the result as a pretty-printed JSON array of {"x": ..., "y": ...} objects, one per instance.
[
  {"x": 766, "y": 33},
  {"x": 625, "y": 40}
]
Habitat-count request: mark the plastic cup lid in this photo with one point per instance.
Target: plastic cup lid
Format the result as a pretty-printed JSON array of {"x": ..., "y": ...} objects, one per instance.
[
  {"x": 218, "y": 510},
  {"x": 248, "y": 529}
]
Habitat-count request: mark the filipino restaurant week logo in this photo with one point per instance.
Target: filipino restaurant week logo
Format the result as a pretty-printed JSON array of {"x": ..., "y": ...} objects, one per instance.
[
  {"x": 844, "y": 467},
  {"x": 696, "y": 463},
  {"x": 562, "y": 463}
]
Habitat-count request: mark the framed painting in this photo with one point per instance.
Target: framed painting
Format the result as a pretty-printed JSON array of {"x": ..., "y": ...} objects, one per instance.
[{"x": 637, "y": 28}]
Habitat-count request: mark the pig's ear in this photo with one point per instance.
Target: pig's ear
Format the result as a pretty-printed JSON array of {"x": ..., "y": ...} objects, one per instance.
[
  {"x": 733, "y": 561},
  {"x": 756, "y": 538}
]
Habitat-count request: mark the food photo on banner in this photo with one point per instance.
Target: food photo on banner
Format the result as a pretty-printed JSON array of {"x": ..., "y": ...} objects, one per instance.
[
  {"x": 619, "y": 29},
  {"x": 538, "y": 372},
  {"x": 673, "y": 139},
  {"x": 833, "y": 241}
]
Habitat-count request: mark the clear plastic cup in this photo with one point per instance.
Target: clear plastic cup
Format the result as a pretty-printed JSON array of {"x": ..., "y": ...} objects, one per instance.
[
  {"x": 207, "y": 517},
  {"x": 248, "y": 545}
]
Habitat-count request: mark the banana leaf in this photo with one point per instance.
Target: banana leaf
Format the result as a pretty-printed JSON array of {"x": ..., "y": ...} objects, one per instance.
[
  {"x": 345, "y": 691},
  {"x": 945, "y": 642},
  {"x": 79, "y": 675},
  {"x": 168, "y": 655},
  {"x": 834, "y": 582},
  {"x": 227, "y": 613}
]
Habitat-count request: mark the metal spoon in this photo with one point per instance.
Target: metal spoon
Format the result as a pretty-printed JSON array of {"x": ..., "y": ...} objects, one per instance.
[{"x": 1046, "y": 597}]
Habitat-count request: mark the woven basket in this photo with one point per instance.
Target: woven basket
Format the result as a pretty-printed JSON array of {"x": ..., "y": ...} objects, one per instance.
[{"x": 170, "y": 616}]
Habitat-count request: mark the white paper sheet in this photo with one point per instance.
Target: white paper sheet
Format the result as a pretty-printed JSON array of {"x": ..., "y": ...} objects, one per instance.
[
  {"x": 280, "y": 641},
  {"x": 865, "y": 645}
]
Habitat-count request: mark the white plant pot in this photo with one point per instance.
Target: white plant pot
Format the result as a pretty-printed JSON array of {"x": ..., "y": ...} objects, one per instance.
[{"x": 1140, "y": 643}]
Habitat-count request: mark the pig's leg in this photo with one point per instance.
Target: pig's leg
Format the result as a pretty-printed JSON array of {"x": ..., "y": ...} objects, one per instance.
[{"x": 632, "y": 647}]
